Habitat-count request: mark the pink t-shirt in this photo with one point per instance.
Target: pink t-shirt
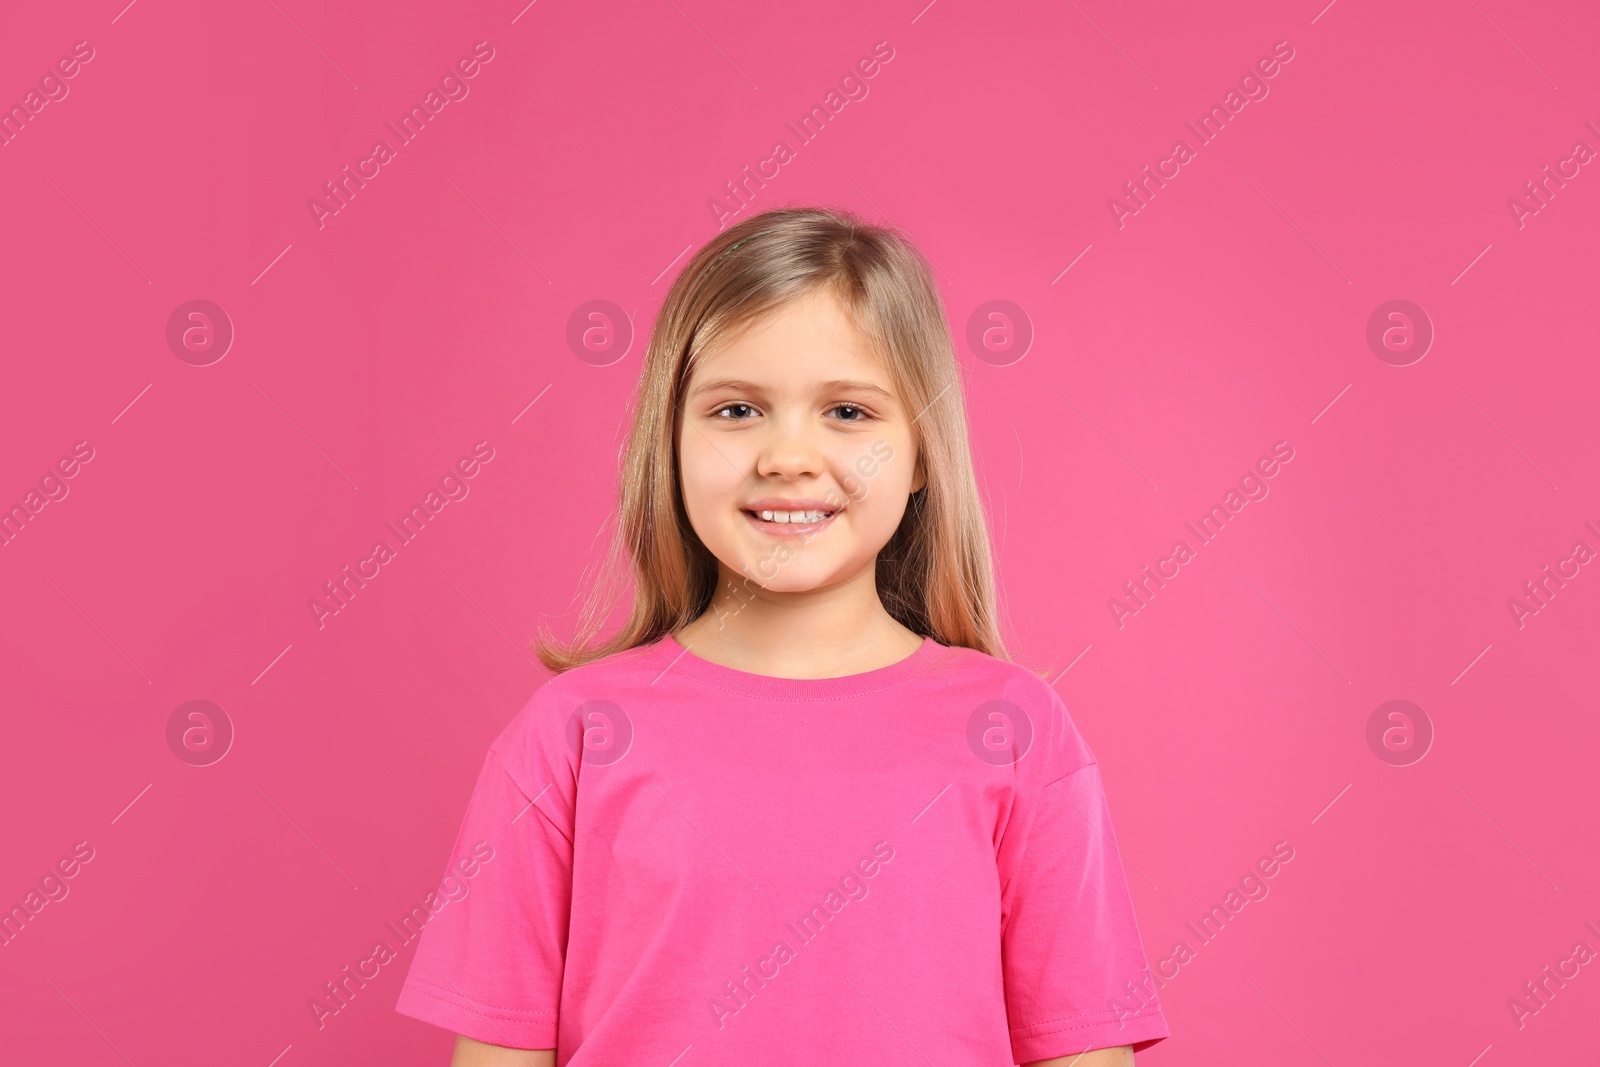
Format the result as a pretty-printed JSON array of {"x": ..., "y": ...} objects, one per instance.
[{"x": 693, "y": 864}]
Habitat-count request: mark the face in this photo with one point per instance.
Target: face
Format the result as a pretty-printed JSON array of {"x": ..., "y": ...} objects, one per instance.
[{"x": 796, "y": 419}]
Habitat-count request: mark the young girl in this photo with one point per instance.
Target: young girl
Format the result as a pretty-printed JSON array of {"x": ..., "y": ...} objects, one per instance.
[{"x": 801, "y": 808}]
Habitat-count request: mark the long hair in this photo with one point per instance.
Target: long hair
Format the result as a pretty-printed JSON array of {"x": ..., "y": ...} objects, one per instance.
[{"x": 935, "y": 575}]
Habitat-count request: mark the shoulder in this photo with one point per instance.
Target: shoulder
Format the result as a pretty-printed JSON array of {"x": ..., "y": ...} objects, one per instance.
[
  {"x": 1008, "y": 678},
  {"x": 988, "y": 677},
  {"x": 1018, "y": 700},
  {"x": 552, "y": 711}
]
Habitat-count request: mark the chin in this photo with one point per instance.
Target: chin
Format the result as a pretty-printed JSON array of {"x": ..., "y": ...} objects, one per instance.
[
  {"x": 771, "y": 572},
  {"x": 793, "y": 584}
]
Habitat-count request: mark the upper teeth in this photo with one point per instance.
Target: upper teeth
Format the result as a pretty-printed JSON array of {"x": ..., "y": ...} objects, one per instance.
[{"x": 794, "y": 516}]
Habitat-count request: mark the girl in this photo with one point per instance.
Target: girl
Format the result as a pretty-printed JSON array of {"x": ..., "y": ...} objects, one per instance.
[{"x": 801, "y": 808}]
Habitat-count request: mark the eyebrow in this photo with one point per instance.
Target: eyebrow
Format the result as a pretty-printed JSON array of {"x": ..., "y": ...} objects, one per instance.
[{"x": 837, "y": 385}]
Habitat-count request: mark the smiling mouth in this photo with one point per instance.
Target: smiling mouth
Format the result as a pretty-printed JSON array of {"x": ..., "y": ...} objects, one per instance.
[
  {"x": 790, "y": 523},
  {"x": 810, "y": 516}
]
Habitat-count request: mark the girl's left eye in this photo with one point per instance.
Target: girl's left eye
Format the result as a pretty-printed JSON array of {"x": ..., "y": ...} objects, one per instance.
[{"x": 851, "y": 407}]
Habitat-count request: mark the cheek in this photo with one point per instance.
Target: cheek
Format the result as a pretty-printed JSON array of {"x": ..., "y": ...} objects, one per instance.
[
  {"x": 879, "y": 514},
  {"x": 710, "y": 483},
  {"x": 884, "y": 469},
  {"x": 877, "y": 485}
]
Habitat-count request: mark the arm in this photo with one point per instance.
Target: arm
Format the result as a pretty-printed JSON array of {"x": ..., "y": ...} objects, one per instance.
[
  {"x": 470, "y": 1053},
  {"x": 1121, "y": 1056}
]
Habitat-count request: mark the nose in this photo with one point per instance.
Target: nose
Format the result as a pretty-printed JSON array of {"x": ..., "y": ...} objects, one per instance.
[{"x": 789, "y": 450}]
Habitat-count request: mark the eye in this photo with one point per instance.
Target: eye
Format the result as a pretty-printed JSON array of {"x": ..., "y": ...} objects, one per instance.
[
  {"x": 730, "y": 407},
  {"x": 862, "y": 413}
]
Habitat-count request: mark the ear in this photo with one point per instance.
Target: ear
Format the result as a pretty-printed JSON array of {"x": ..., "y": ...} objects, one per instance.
[{"x": 919, "y": 477}]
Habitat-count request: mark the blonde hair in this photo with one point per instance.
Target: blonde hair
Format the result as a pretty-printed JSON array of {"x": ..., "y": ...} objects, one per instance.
[{"x": 935, "y": 575}]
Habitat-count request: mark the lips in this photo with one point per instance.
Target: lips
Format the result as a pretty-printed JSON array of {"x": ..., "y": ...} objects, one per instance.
[
  {"x": 798, "y": 515},
  {"x": 790, "y": 518},
  {"x": 803, "y": 509}
]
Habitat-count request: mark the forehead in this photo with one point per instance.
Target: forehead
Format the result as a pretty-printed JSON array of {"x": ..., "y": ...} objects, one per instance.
[{"x": 810, "y": 339}]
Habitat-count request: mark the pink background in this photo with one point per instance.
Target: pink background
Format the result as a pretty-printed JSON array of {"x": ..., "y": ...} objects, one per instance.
[{"x": 370, "y": 354}]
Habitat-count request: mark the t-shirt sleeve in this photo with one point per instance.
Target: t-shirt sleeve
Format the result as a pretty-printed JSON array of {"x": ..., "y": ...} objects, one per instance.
[
  {"x": 1073, "y": 963},
  {"x": 490, "y": 960}
]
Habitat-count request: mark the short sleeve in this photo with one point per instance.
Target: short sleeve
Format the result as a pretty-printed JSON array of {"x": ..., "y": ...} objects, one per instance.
[
  {"x": 1074, "y": 967},
  {"x": 490, "y": 960}
]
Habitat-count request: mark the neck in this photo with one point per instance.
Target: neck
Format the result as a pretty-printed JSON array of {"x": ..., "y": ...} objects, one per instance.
[{"x": 833, "y": 629}]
